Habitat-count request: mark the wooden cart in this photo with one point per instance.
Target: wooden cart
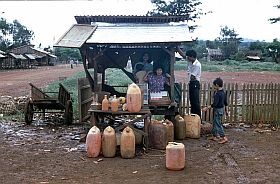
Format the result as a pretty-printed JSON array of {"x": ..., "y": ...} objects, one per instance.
[{"x": 40, "y": 101}]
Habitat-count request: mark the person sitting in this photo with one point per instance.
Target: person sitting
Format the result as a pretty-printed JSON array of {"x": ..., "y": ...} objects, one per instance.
[
  {"x": 147, "y": 63},
  {"x": 157, "y": 80},
  {"x": 139, "y": 73}
]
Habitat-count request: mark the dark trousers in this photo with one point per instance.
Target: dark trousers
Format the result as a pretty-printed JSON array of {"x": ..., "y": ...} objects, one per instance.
[{"x": 194, "y": 88}]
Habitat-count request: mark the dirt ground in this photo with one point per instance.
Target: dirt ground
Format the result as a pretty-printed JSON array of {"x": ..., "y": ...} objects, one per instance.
[
  {"x": 44, "y": 152},
  {"x": 15, "y": 82}
]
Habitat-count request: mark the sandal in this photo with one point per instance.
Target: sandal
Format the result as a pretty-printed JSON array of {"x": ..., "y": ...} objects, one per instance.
[{"x": 223, "y": 140}]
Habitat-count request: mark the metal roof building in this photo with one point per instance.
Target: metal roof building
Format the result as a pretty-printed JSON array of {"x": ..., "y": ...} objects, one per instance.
[{"x": 109, "y": 41}]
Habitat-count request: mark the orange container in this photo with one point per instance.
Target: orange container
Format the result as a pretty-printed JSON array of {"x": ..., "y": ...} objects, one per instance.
[
  {"x": 127, "y": 143},
  {"x": 170, "y": 130},
  {"x": 175, "y": 156},
  {"x": 109, "y": 142},
  {"x": 133, "y": 98},
  {"x": 115, "y": 104},
  {"x": 93, "y": 142},
  {"x": 193, "y": 125},
  {"x": 105, "y": 103}
]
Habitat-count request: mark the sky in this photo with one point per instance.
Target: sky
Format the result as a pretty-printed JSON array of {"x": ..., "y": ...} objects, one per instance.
[{"x": 49, "y": 20}]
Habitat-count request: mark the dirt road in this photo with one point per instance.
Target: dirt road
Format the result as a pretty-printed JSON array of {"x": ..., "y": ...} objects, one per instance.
[
  {"x": 15, "y": 82},
  {"x": 51, "y": 154}
]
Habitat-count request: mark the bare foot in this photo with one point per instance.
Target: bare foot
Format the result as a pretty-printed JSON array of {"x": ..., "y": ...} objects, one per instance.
[{"x": 223, "y": 140}]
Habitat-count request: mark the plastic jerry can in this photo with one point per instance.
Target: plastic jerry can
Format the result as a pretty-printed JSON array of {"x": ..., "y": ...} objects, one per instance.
[
  {"x": 134, "y": 98},
  {"x": 93, "y": 142},
  {"x": 127, "y": 143},
  {"x": 157, "y": 135},
  {"x": 179, "y": 128},
  {"x": 175, "y": 156},
  {"x": 170, "y": 130},
  {"x": 193, "y": 125},
  {"x": 109, "y": 142}
]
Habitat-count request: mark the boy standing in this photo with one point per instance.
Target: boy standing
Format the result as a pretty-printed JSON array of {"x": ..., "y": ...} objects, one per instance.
[{"x": 220, "y": 107}]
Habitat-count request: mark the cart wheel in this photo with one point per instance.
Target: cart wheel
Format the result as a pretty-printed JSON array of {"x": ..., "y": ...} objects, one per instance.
[
  {"x": 68, "y": 114},
  {"x": 28, "y": 112}
]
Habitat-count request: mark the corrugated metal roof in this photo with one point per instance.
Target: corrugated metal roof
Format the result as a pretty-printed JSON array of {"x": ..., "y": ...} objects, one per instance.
[
  {"x": 2, "y": 56},
  {"x": 76, "y": 36},
  {"x": 139, "y": 33},
  {"x": 17, "y": 56},
  {"x": 51, "y": 55},
  {"x": 253, "y": 57},
  {"x": 30, "y": 56},
  {"x": 88, "y": 19},
  {"x": 214, "y": 52}
]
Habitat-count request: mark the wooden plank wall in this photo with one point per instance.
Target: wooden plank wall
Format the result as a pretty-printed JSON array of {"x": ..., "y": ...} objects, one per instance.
[
  {"x": 84, "y": 98},
  {"x": 248, "y": 103}
]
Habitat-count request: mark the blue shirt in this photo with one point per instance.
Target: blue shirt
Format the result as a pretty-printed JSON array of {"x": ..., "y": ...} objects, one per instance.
[{"x": 220, "y": 99}]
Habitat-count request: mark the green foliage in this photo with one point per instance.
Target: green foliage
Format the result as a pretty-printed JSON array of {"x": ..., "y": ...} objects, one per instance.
[
  {"x": 71, "y": 85},
  {"x": 228, "y": 41},
  {"x": 6, "y": 29},
  {"x": 244, "y": 65},
  {"x": 13, "y": 34},
  {"x": 274, "y": 49},
  {"x": 240, "y": 55},
  {"x": 65, "y": 54},
  {"x": 188, "y": 8},
  {"x": 119, "y": 77},
  {"x": 21, "y": 35},
  {"x": 18, "y": 116},
  {"x": 258, "y": 46},
  {"x": 229, "y": 65}
]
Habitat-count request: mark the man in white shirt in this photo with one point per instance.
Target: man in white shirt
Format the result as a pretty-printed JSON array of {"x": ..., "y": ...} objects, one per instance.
[{"x": 194, "y": 74}]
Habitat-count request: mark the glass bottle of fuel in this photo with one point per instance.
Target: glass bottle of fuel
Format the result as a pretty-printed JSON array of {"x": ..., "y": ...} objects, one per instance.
[
  {"x": 105, "y": 103},
  {"x": 115, "y": 104}
]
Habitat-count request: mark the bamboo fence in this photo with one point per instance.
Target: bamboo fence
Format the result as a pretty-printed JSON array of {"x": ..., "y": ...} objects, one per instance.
[{"x": 248, "y": 103}]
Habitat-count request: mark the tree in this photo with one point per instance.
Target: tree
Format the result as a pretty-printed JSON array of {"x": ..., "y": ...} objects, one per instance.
[
  {"x": 228, "y": 41},
  {"x": 6, "y": 29},
  {"x": 65, "y": 54},
  {"x": 188, "y": 8},
  {"x": 21, "y": 35},
  {"x": 277, "y": 19},
  {"x": 274, "y": 49},
  {"x": 13, "y": 34}
]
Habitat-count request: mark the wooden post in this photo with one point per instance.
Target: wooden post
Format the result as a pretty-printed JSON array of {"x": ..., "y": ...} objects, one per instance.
[
  {"x": 172, "y": 79},
  {"x": 184, "y": 100},
  {"x": 83, "y": 52}
]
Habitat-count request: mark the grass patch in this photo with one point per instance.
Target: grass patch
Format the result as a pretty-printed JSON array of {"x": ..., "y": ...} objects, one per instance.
[
  {"x": 18, "y": 116},
  {"x": 70, "y": 84}
]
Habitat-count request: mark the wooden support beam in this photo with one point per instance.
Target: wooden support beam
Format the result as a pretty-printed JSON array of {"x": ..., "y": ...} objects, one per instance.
[
  {"x": 101, "y": 52},
  {"x": 166, "y": 50},
  {"x": 172, "y": 78},
  {"x": 83, "y": 52}
]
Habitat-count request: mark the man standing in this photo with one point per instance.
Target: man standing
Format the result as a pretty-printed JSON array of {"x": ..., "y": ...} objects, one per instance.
[{"x": 194, "y": 74}]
